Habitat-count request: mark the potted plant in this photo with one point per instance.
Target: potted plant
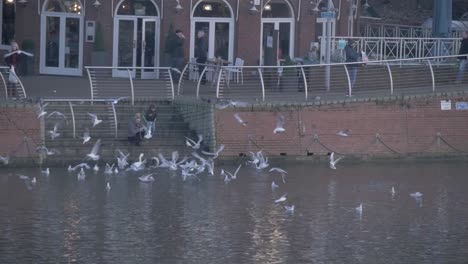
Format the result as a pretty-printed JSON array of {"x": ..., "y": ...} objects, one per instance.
[{"x": 100, "y": 57}]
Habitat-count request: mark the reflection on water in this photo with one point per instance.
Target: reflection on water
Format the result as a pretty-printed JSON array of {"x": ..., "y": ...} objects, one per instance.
[{"x": 170, "y": 221}]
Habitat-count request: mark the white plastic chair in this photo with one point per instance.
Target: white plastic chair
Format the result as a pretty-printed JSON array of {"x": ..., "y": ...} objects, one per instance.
[{"x": 237, "y": 70}]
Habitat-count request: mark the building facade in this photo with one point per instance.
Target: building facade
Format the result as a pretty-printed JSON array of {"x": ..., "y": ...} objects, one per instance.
[{"x": 66, "y": 35}]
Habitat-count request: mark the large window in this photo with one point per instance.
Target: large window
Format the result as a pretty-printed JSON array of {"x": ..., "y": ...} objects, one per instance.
[{"x": 8, "y": 22}]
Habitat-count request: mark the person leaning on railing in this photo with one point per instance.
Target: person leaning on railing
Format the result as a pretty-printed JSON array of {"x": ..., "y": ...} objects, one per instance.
[
  {"x": 352, "y": 56},
  {"x": 463, "y": 59}
]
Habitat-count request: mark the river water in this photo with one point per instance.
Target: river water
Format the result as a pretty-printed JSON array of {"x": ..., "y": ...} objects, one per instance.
[{"x": 63, "y": 220}]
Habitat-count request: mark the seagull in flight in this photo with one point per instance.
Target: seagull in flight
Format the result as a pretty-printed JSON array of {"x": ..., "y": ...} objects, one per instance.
[
  {"x": 108, "y": 187},
  {"x": 416, "y": 195},
  {"x": 343, "y": 133},
  {"x": 57, "y": 113},
  {"x": 108, "y": 169},
  {"x": 86, "y": 137},
  {"x": 230, "y": 175},
  {"x": 281, "y": 199},
  {"x": 94, "y": 119},
  {"x": 116, "y": 101},
  {"x": 334, "y": 161},
  {"x": 274, "y": 186},
  {"x": 359, "y": 209},
  {"x": 393, "y": 191},
  {"x": 96, "y": 168},
  {"x": 41, "y": 110},
  {"x": 53, "y": 133},
  {"x": 46, "y": 172},
  {"x": 48, "y": 152},
  {"x": 81, "y": 175},
  {"x": 81, "y": 165},
  {"x": 289, "y": 208},
  {"x": 93, "y": 155},
  {"x": 239, "y": 119},
  {"x": 19, "y": 52},
  {"x": 191, "y": 143},
  {"x": 5, "y": 159},
  {"x": 214, "y": 154},
  {"x": 227, "y": 104},
  {"x": 279, "y": 125}
]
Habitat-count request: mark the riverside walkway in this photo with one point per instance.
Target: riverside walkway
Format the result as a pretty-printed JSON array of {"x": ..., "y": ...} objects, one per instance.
[{"x": 269, "y": 84}]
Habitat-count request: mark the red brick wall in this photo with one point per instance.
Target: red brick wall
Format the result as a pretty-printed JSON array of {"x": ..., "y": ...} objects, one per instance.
[
  {"x": 404, "y": 127},
  {"x": 18, "y": 121}
]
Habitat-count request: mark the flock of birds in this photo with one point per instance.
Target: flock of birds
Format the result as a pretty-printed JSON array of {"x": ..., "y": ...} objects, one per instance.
[{"x": 191, "y": 167}]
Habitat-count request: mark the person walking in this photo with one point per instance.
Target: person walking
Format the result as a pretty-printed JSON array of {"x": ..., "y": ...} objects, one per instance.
[
  {"x": 352, "y": 56},
  {"x": 201, "y": 53},
  {"x": 177, "y": 54},
  {"x": 463, "y": 59}
]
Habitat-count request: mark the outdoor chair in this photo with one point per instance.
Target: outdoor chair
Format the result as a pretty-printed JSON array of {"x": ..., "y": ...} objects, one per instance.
[{"x": 237, "y": 70}]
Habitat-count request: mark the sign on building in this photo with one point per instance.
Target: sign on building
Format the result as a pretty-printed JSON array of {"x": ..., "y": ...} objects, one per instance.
[
  {"x": 461, "y": 105},
  {"x": 445, "y": 105}
]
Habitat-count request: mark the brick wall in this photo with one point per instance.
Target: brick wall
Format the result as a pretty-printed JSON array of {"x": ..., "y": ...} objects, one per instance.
[
  {"x": 377, "y": 128},
  {"x": 20, "y": 131}
]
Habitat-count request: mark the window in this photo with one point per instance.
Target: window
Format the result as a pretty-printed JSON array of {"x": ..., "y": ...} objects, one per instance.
[
  {"x": 212, "y": 9},
  {"x": 137, "y": 8},
  {"x": 8, "y": 22}
]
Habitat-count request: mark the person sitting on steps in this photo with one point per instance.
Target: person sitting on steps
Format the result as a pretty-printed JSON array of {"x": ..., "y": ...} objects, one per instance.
[
  {"x": 150, "y": 117},
  {"x": 136, "y": 130}
]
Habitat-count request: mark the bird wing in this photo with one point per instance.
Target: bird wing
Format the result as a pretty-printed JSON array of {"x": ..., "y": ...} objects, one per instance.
[
  {"x": 238, "y": 118},
  {"x": 96, "y": 147},
  {"x": 200, "y": 138},
  {"x": 190, "y": 141},
  {"x": 332, "y": 157},
  {"x": 238, "y": 168}
]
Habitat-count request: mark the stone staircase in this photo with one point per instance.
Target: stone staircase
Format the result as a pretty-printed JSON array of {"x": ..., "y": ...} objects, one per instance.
[{"x": 171, "y": 128}]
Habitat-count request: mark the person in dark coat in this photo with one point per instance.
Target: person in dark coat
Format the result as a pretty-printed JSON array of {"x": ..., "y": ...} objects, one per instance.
[
  {"x": 463, "y": 59},
  {"x": 150, "y": 117},
  {"x": 177, "y": 54},
  {"x": 201, "y": 53},
  {"x": 352, "y": 56},
  {"x": 136, "y": 130}
]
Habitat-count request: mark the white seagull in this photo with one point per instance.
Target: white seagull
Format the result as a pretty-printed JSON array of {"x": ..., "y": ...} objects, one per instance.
[
  {"x": 57, "y": 113},
  {"x": 343, "y": 133},
  {"x": 108, "y": 187},
  {"x": 279, "y": 125},
  {"x": 290, "y": 208},
  {"x": 81, "y": 175},
  {"x": 359, "y": 208},
  {"x": 116, "y": 101},
  {"x": 281, "y": 199},
  {"x": 147, "y": 178},
  {"x": 274, "y": 186},
  {"x": 393, "y": 191},
  {"x": 48, "y": 152},
  {"x": 81, "y": 165},
  {"x": 41, "y": 110},
  {"x": 96, "y": 168},
  {"x": 216, "y": 153},
  {"x": 86, "y": 137},
  {"x": 94, "y": 119},
  {"x": 93, "y": 155},
  {"x": 45, "y": 172},
  {"x": 416, "y": 195},
  {"x": 334, "y": 161},
  {"x": 230, "y": 176},
  {"x": 239, "y": 119},
  {"x": 5, "y": 159},
  {"x": 53, "y": 133},
  {"x": 191, "y": 143},
  {"x": 108, "y": 169}
]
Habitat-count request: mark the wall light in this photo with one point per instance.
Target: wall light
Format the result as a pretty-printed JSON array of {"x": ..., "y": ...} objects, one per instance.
[
  {"x": 178, "y": 7},
  {"x": 267, "y": 7},
  {"x": 97, "y": 4},
  {"x": 10, "y": 1},
  {"x": 208, "y": 7},
  {"x": 253, "y": 9}
]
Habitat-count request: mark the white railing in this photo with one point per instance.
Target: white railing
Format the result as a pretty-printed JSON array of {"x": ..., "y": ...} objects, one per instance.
[
  {"x": 77, "y": 118},
  {"x": 329, "y": 81},
  {"x": 131, "y": 82},
  {"x": 372, "y": 30},
  {"x": 385, "y": 48},
  {"x": 4, "y": 76}
]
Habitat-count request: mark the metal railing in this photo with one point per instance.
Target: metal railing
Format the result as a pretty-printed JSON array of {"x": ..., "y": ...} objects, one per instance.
[
  {"x": 399, "y": 31},
  {"x": 131, "y": 82},
  {"x": 77, "y": 120},
  {"x": 385, "y": 48},
  {"x": 4, "y": 76},
  {"x": 327, "y": 81}
]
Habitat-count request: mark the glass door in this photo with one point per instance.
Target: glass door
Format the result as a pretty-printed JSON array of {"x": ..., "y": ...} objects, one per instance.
[
  {"x": 149, "y": 54},
  {"x": 61, "y": 46},
  {"x": 125, "y": 47},
  {"x": 221, "y": 40},
  {"x": 277, "y": 41}
]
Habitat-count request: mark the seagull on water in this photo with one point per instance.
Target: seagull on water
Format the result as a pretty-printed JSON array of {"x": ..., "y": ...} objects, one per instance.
[
  {"x": 138, "y": 165},
  {"x": 93, "y": 155},
  {"x": 334, "y": 161},
  {"x": 416, "y": 195},
  {"x": 239, "y": 119},
  {"x": 81, "y": 175},
  {"x": 5, "y": 159},
  {"x": 191, "y": 143},
  {"x": 359, "y": 209},
  {"x": 122, "y": 159},
  {"x": 289, "y": 208},
  {"x": 393, "y": 191},
  {"x": 94, "y": 119},
  {"x": 108, "y": 187},
  {"x": 147, "y": 178},
  {"x": 279, "y": 125},
  {"x": 45, "y": 172},
  {"x": 96, "y": 168},
  {"x": 281, "y": 199}
]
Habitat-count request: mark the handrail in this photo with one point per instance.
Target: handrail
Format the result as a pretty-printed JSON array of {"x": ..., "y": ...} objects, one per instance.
[
  {"x": 172, "y": 83},
  {"x": 131, "y": 86},
  {"x": 115, "y": 120},
  {"x": 263, "y": 84},
  {"x": 73, "y": 119},
  {"x": 4, "y": 85},
  {"x": 90, "y": 83},
  {"x": 432, "y": 75},
  {"x": 391, "y": 77}
]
